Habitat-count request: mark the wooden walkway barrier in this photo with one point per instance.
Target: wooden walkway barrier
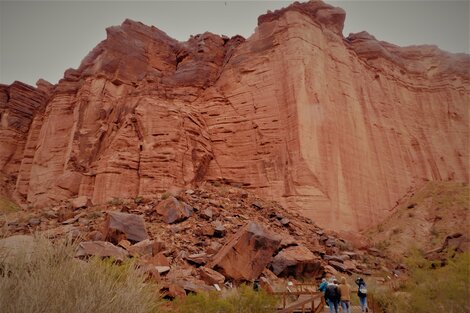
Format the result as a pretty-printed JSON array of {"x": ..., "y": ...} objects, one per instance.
[
  {"x": 309, "y": 301},
  {"x": 305, "y": 302}
]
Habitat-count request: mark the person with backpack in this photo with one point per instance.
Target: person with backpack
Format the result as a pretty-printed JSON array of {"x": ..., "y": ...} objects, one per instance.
[
  {"x": 332, "y": 295},
  {"x": 345, "y": 291},
  {"x": 362, "y": 294}
]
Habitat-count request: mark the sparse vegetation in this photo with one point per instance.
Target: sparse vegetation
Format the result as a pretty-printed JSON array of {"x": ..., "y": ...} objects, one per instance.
[
  {"x": 382, "y": 245},
  {"x": 445, "y": 289},
  {"x": 425, "y": 219},
  {"x": 242, "y": 299},
  {"x": 138, "y": 200},
  {"x": 8, "y": 206},
  {"x": 165, "y": 195},
  {"x": 52, "y": 280},
  {"x": 116, "y": 201}
]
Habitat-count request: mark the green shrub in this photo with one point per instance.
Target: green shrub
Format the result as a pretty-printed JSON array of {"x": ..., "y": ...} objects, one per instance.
[
  {"x": 8, "y": 206},
  {"x": 240, "y": 300},
  {"x": 139, "y": 200},
  {"x": 116, "y": 201},
  {"x": 204, "y": 302},
  {"x": 52, "y": 280},
  {"x": 246, "y": 300},
  {"x": 445, "y": 289},
  {"x": 165, "y": 195}
]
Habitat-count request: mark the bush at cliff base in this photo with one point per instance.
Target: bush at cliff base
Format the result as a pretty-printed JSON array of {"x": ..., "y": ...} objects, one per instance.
[
  {"x": 242, "y": 299},
  {"x": 51, "y": 280},
  {"x": 431, "y": 290}
]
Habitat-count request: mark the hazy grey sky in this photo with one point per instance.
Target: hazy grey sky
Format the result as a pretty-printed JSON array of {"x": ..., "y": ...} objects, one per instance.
[{"x": 41, "y": 39}]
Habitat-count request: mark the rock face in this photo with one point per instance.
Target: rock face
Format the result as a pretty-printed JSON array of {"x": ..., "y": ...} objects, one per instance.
[
  {"x": 247, "y": 253},
  {"x": 336, "y": 128}
]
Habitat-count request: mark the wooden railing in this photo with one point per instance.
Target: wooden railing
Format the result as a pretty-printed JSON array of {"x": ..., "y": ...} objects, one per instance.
[{"x": 305, "y": 302}]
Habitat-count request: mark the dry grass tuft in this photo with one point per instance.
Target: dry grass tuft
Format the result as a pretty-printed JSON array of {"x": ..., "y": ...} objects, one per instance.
[{"x": 51, "y": 280}]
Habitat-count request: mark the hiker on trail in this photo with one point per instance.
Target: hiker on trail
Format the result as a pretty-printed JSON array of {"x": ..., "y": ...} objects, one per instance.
[
  {"x": 256, "y": 285},
  {"x": 345, "y": 291},
  {"x": 332, "y": 295},
  {"x": 323, "y": 285},
  {"x": 362, "y": 294}
]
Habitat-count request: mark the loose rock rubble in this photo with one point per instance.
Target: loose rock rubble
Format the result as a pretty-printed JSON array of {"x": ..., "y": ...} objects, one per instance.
[{"x": 231, "y": 236}]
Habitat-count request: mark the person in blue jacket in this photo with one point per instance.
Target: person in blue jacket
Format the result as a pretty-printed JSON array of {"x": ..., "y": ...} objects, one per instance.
[
  {"x": 362, "y": 293},
  {"x": 323, "y": 284}
]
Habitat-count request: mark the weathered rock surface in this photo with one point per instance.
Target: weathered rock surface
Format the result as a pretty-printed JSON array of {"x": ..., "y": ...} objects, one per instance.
[
  {"x": 210, "y": 276},
  {"x": 174, "y": 258},
  {"x": 296, "y": 261},
  {"x": 173, "y": 210},
  {"x": 246, "y": 253},
  {"x": 101, "y": 249},
  {"x": 130, "y": 225},
  {"x": 80, "y": 202},
  {"x": 144, "y": 112}
]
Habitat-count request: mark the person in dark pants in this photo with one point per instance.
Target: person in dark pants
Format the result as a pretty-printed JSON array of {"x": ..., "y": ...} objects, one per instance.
[
  {"x": 332, "y": 295},
  {"x": 362, "y": 293}
]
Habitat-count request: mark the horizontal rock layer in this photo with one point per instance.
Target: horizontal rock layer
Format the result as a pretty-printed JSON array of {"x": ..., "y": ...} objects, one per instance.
[{"x": 336, "y": 128}]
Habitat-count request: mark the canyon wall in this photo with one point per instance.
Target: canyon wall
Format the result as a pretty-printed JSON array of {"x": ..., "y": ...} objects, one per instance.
[{"x": 337, "y": 128}]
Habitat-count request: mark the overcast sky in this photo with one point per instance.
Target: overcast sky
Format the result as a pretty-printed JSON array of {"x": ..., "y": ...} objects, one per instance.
[{"x": 41, "y": 39}]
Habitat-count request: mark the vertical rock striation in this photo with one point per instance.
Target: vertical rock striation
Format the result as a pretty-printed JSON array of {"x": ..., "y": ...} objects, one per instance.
[{"x": 337, "y": 128}]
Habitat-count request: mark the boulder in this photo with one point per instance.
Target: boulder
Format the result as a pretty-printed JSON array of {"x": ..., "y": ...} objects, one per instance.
[
  {"x": 145, "y": 247},
  {"x": 219, "y": 229},
  {"x": 288, "y": 241},
  {"x": 95, "y": 235},
  {"x": 173, "y": 210},
  {"x": 210, "y": 276},
  {"x": 335, "y": 258},
  {"x": 296, "y": 261},
  {"x": 80, "y": 202},
  {"x": 338, "y": 266},
  {"x": 175, "y": 291},
  {"x": 206, "y": 214},
  {"x": 162, "y": 269},
  {"x": 130, "y": 225},
  {"x": 246, "y": 253},
  {"x": 356, "y": 239},
  {"x": 101, "y": 249},
  {"x": 198, "y": 259},
  {"x": 157, "y": 260}
]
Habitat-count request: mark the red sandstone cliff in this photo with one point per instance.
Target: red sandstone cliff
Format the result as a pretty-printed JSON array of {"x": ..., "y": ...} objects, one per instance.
[{"x": 338, "y": 128}]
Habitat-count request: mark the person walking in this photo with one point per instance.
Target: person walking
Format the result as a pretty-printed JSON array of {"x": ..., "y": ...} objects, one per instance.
[
  {"x": 323, "y": 285},
  {"x": 332, "y": 295},
  {"x": 362, "y": 294},
  {"x": 345, "y": 291}
]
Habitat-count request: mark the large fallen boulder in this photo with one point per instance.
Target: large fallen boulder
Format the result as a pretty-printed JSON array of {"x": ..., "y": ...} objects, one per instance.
[
  {"x": 130, "y": 226},
  {"x": 246, "y": 253},
  {"x": 173, "y": 210},
  {"x": 101, "y": 249},
  {"x": 296, "y": 261}
]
